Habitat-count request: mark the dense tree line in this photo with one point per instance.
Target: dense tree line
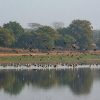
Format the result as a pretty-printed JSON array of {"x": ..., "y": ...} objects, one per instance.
[
  {"x": 96, "y": 38},
  {"x": 78, "y": 35}
]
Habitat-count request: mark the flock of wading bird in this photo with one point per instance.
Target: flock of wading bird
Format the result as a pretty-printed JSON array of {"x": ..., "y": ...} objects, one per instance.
[
  {"x": 58, "y": 66},
  {"x": 52, "y": 66}
]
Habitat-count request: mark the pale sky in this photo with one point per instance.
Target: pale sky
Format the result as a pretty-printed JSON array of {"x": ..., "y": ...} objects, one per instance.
[{"x": 48, "y": 11}]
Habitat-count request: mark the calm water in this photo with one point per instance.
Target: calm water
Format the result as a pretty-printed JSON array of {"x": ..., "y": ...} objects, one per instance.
[{"x": 83, "y": 84}]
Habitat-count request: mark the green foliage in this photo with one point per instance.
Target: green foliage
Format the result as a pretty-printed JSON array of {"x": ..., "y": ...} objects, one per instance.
[
  {"x": 46, "y": 37},
  {"x": 82, "y": 31},
  {"x": 48, "y": 31},
  {"x": 79, "y": 32},
  {"x": 82, "y": 58},
  {"x": 43, "y": 38},
  {"x": 6, "y": 38},
  {"x": 24, "y": 41},
  {"x": 65, "y": 41},
  {"x": 96, "y": 38},
  {"x": 15, "y": 28},
  {"x": 63, "y": 31}
]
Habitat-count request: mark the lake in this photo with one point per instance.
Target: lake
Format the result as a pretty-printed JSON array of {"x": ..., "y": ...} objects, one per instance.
[{"x": 69, "y": 84}]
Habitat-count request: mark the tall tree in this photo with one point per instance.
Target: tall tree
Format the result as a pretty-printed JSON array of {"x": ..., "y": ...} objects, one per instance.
[
  {"x": 65, "y": 41},
  {"x": 35, "y": 26},
  {"x": 46, "y": 36},
  {"x": 15, "y": 28},
  {"x": 82, "y": 31},
  {"x": 6, "y": 38}
]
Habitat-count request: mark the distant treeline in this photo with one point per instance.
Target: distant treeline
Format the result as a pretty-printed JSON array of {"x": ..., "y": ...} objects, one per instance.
[{"x": 79, "y": 35}]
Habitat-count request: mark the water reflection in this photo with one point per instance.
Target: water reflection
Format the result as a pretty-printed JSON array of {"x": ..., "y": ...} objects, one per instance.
[{"x": 79, "y": 81}]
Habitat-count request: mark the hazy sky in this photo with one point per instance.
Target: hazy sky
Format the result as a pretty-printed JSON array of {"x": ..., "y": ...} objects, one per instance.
[{"x": 49, "y": 11}]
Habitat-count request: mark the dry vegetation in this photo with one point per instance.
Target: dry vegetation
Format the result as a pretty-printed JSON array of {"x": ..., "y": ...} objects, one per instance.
[{"x": 19, "y": 52}]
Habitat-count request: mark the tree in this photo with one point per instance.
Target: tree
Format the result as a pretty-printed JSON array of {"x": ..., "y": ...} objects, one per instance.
[
  {"x": 96, "y": 38},
  {"x": 47, "y": 30},
  {"x": 63, "y": 31},
  {"x": 25, "y": 41},
  {"x": 65, "y": 41},
  {"x": 82, "y": 31},
  {"x": 15, "y": 28},
  {"x": 58, "y": 25},
  {"x": 46, "y": 37},
  {"x": 35, "y": 26},
  {"x": 6, "y": 38}
]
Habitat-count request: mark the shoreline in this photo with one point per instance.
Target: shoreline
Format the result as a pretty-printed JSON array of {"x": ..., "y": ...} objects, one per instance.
[
  {"x": 88, "y": 57},
  {"x": 50, "y": 67}
]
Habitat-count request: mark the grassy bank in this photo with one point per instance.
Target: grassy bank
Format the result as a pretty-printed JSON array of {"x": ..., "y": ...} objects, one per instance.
[{"x": 61, "y": 58}]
